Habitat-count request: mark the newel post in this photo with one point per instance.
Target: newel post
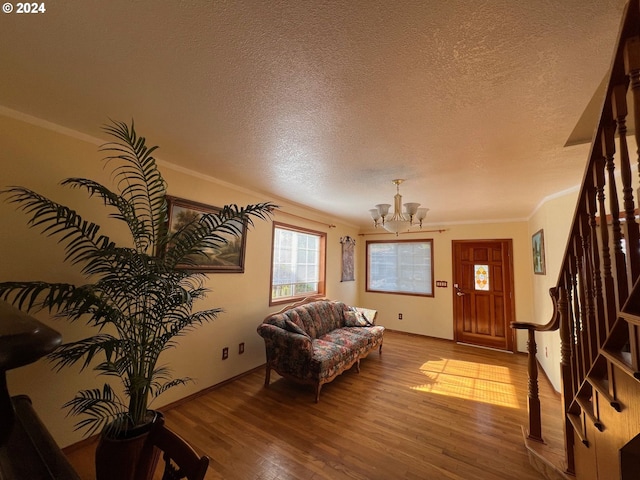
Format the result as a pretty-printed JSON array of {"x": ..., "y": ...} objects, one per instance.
[
  {"x": 567, "y": 380},
  {"x": 535, "y": 421},
  {"x": 533, "y": 398}
]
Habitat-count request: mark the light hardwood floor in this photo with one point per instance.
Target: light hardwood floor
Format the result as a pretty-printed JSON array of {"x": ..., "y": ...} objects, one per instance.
[{"x": 424, "y": 409}]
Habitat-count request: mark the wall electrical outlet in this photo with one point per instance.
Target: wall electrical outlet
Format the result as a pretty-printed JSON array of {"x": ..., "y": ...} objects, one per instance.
[
  {"x": 225, "y": 353},
  {"x": 399, "y": 316},
  {"x": 241, "y": 348}
]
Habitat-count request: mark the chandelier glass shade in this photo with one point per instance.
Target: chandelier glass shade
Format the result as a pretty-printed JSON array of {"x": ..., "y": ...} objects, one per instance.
[{"x": 399, "y": 221}]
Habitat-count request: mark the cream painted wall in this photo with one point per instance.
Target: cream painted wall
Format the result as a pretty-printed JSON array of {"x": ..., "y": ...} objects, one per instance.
[
  {"x": 433, "y": 316},
  {"x": 38, "y": 158},
  {"x": 554, "y": 216}
]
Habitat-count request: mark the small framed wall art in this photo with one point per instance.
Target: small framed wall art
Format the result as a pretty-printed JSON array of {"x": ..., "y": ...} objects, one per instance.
[{"x": 537, "y": 245}]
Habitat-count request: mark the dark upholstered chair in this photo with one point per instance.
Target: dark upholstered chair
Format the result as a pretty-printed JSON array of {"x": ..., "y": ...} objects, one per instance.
[{"x": 181, "y": 460}]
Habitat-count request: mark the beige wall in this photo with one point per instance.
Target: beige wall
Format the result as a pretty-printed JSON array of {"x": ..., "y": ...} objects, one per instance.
[
  {"x": 554, "y": 217},
  {"x": 433, "y": 316},
  {"x": 39, "y": 158}
]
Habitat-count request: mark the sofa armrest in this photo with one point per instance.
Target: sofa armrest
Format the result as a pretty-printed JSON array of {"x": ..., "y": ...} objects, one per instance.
[{"x": 277, "y": 338}]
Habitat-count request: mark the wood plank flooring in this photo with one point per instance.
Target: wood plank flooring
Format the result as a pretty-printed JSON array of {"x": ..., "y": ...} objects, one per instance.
[{"x": 424, "y": 409}]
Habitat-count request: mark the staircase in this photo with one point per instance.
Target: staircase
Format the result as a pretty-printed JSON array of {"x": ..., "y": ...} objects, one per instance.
[{"x": 597, "y": 297}]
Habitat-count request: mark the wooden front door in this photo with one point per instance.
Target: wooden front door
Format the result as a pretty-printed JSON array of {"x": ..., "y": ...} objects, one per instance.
[{"x": 483, "y": 305}]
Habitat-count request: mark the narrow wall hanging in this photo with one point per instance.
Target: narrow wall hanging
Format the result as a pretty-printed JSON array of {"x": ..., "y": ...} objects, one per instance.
[{"x": 348, "y": 244}]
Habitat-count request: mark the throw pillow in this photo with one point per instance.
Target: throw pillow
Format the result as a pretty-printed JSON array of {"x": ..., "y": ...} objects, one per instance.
[{"x": 355, "y": 319}]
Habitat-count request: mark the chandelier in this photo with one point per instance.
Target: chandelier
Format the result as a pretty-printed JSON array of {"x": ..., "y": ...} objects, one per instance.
[{"x": 400, "y": 221}]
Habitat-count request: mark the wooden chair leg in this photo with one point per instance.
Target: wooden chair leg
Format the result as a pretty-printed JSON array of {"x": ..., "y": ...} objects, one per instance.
[{"x": 267, "y": 377}]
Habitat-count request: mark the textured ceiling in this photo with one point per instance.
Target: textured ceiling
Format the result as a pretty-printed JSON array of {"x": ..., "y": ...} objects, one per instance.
[{"x": 323, "y": 103}]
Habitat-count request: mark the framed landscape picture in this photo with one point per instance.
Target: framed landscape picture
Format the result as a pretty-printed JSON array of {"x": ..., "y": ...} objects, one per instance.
[
  {"x": 537, "y": 244},
  {"x": 228, "y": 258}
]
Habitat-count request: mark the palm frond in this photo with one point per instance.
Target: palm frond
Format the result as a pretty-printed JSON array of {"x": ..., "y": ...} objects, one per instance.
[
  {"x": 70, "y": 301},
  {"x": 125, "y": 211},
  {"x": 262, "y": 211},
  {"x": 85, "y": 349},
  {"x": 99, "y": 406},
  {"x": 160, "y": 389},
  {"x": 29, "y": 296},
  {"x": 119, "y": 367},
  {"x": 183, "y": 323},
  {"x": 139, "y": 180},
  {"x": 79, "y": 236}
]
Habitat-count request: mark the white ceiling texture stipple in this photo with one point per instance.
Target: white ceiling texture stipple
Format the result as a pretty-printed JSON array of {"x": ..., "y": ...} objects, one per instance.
[{"x": 323, "y": 103}]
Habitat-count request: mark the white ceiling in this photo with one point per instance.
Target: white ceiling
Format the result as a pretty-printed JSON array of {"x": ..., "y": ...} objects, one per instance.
[{"x": 323, "y": 103}]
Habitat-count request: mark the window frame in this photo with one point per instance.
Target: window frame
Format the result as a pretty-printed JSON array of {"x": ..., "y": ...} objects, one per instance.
[
  {"x": 428, "y": 241},
  {"x": 322, "y": 263}
]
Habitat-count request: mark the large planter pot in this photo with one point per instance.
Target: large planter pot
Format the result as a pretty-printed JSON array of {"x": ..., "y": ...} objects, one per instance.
[{"x": 130, "y": 457}]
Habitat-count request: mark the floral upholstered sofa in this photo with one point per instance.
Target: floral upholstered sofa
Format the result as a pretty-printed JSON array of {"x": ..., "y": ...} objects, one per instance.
[{"x": 314, "y": 341}]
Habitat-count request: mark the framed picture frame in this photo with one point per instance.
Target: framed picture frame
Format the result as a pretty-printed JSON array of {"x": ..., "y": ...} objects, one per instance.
[
  {"x": 537, "y": 245},
  {"x": 228, "y": 258}
]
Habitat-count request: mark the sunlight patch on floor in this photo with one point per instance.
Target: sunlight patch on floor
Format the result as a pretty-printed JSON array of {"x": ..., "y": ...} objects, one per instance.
[{"x": 469, "y": 380}]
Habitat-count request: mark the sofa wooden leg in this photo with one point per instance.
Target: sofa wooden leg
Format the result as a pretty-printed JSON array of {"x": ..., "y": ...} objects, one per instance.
[
  {"x": 318, "y": 387},
  {"x": 267, "y": 377},
  {"x": 358, "y": 366},
  {"x": 380, "y": 349}
]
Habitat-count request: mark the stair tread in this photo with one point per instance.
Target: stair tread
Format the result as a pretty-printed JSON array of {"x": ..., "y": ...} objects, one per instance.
[{"x": 546, "y": 460}]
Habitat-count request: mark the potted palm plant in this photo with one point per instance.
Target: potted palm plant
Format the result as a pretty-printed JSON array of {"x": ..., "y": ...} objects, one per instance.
[{"x": 138, "y": 296}]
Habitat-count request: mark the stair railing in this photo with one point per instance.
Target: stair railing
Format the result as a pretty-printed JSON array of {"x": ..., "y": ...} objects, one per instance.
[{"x": 597, "y": 297}]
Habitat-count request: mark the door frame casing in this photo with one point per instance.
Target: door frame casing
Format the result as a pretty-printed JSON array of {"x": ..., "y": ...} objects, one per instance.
[{"x": 510, "y": 310}]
